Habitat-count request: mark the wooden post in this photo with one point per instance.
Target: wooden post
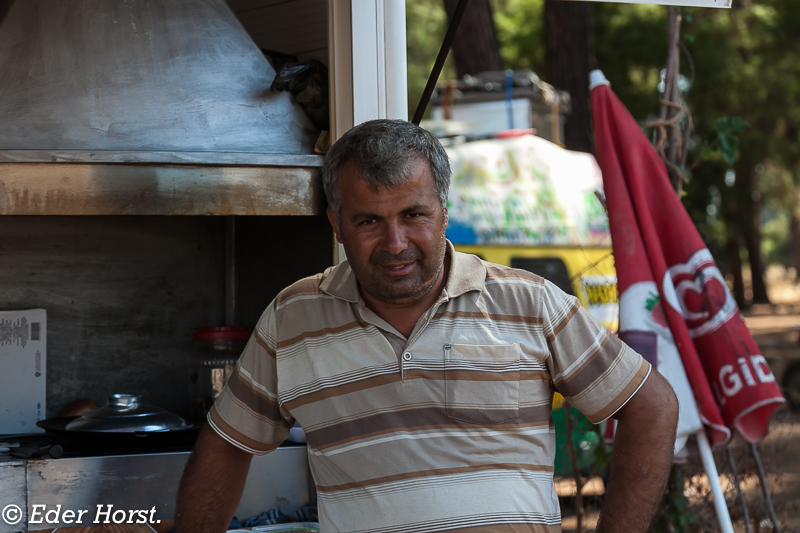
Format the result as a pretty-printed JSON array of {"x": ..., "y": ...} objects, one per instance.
[{"x": 670, "y": 101}]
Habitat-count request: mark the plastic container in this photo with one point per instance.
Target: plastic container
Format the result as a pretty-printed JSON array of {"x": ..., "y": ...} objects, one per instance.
[{"x": 214, "y": 354}]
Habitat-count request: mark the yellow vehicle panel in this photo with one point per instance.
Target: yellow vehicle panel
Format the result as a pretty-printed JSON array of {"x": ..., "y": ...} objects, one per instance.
[{"x": 590, "y": 272}]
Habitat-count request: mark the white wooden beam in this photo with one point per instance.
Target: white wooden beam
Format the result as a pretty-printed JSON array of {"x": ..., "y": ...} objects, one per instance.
[{"x": 367, "y": 47}]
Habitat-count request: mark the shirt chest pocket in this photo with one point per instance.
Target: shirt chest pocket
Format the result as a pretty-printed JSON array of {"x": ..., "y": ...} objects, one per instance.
[{"x": 482, "y": 383}]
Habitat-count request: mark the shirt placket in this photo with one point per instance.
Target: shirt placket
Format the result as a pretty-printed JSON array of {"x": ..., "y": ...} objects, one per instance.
[
  {"x": 419, "y": 330},
  {"x": 407, "y": 355}
]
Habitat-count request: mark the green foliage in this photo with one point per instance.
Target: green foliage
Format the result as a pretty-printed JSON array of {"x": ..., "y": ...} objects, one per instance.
[
  {"x": 520, "y": 33},
  {"x": 602, "y": 453},
  {"x": 426, "y": 25},
  {"x": 776, "y": 246},
  {"x": 587, "y": 439},
  {"x": 673, "y": 512},
  {"x": 747, "y": 68},
  {"x": 631, "y": 46},
  {"x": 727, "y": 142}
]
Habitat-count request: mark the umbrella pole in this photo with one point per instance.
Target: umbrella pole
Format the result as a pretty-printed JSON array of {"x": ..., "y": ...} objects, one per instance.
[
  {"x": 713, "y": 479},
  {"x": 735, "y": 471},
  {"x": 763, "y": 478}
]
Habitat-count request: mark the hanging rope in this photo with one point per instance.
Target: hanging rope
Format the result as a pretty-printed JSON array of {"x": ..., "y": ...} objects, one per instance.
[{"x": 662, "y": 126}]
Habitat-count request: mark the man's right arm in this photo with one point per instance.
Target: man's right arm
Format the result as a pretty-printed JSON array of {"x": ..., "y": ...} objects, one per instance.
[{"x": 212, "y": 484}]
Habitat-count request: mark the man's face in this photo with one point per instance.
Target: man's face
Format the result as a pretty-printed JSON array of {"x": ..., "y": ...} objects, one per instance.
[{"x": 394, "y": 238}]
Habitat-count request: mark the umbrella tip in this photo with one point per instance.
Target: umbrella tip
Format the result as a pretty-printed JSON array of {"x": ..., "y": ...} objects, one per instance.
[{"x": 596, "y": 77}]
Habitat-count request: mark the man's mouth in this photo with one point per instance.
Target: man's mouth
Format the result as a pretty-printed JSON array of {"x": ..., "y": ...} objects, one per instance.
[{"x": 397, "y": 269}]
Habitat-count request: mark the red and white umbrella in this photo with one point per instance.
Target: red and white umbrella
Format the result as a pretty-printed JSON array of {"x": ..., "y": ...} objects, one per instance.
[{"x": 655, "y": 242}]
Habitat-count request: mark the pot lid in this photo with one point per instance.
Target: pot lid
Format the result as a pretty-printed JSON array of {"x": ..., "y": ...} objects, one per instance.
[{"x": 125, "y": 414}]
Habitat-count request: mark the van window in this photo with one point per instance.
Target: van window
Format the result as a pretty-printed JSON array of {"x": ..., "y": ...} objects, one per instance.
[{"x": 550, "y": 268}]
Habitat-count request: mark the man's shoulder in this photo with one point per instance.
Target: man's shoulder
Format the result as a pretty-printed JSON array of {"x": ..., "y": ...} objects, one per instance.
[
  {"x": 306, "y": 287},
  {"x": 307, "y": 302},
  {"x": 516, "y": 283},
  {"x": 500, "y": 273}
]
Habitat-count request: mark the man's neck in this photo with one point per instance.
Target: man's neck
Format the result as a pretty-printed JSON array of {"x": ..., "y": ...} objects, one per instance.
[{"x": 404, "y": 317}]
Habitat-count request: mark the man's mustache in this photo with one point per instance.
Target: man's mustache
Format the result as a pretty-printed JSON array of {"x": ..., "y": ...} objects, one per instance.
[{"x": 406, "y": 256}]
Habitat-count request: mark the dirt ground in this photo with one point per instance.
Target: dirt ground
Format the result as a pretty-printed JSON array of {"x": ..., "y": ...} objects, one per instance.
[
  {"x": 781, "y": 457},
  {"x": 776, "y": 328}
]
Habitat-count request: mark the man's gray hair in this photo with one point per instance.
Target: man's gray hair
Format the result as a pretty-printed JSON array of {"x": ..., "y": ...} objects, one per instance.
[{"x": 383, "y": 151}]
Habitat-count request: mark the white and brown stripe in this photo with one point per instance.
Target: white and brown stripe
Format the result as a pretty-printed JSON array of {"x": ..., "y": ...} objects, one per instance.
[{"x": 456, "y": 437}]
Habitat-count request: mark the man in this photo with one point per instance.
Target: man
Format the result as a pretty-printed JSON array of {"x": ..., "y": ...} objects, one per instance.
[{"x": 423, "y": 377}]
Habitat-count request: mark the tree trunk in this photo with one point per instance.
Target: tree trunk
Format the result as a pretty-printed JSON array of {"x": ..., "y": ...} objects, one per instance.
[
  {"x": 751, "y": 229},
  {"x": 475, "y": 46},
  {"x": 794, "y": 234},
  {"x": 758, "y": 271},
  {"x": 569, "y": 57},
  {"x": 732, "y": 215},
  {"x": 735, "y": 269}
]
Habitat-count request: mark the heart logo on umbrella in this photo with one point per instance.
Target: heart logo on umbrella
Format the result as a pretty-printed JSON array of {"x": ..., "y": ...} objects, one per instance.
[{"x": 697, "y": 290}]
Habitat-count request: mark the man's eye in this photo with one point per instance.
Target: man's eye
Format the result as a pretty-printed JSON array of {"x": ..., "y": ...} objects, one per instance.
[{"x": 366, "y": 222}]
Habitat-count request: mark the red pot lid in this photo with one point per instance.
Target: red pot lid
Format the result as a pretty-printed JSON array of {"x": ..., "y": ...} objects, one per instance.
[{"x": 222, "y": 333}]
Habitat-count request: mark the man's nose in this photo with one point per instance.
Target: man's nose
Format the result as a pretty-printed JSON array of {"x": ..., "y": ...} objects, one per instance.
[{"x": 395, "y": 240}]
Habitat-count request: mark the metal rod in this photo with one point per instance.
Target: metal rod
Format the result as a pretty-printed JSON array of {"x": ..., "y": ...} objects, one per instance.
[
  {"x": 762, "y": 476},
  {"x": 509, "y": 98},
  {"x": 439, "y": 64},
  {"x": 738, "y": 485},
  {"x": 230, "y": 271}
]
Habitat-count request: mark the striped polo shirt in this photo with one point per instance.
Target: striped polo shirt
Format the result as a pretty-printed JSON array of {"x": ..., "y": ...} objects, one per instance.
[{"x": 446, "y": 430}]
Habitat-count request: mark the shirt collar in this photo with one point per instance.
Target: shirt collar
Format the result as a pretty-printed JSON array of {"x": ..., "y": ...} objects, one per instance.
[{"x": 467, "y": 273}]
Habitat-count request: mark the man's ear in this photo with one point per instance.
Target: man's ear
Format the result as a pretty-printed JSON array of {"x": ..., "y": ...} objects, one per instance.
[
  {"x": 334, "y": 224},
  {"x": 446, "y": 218}
]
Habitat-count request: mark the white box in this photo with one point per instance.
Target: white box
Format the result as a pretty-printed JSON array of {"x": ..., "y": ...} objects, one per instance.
[
  {"x": 23, "y": 365},
  {"x": 489, "y": 117}
]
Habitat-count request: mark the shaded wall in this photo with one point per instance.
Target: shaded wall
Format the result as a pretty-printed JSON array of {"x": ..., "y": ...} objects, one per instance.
[
  {"x": 298, "y": 27},
  {"x": 123, "y": 294}
]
